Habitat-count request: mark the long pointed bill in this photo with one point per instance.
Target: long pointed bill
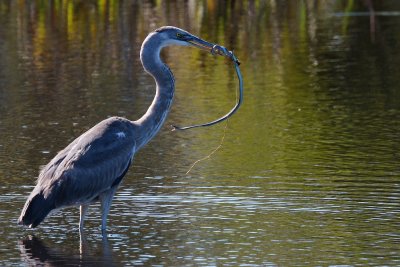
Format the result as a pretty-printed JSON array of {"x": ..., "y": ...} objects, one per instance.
[
  {"x": 212, "y": 48},
  {"x": 200, "y": 43}
]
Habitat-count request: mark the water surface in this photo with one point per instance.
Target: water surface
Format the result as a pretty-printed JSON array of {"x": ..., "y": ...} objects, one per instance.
[{"x": 308, "y": 173}]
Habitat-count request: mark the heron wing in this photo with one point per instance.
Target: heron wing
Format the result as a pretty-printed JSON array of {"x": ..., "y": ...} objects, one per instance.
[{"x": 91, "y": 164}]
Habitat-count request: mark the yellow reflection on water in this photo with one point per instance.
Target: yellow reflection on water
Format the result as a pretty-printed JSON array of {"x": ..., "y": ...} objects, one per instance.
[{"x": 309, "y": 163}]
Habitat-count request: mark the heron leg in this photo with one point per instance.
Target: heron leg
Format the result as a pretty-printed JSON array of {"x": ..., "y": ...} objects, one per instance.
[
  {"x": 83, "y": 244},
  {"x": 83, "y": 210},
  {"x": 105, "y": 200}
]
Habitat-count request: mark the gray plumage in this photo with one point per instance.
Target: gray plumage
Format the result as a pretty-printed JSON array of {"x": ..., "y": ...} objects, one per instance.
[{"x": 92, "y": 167}]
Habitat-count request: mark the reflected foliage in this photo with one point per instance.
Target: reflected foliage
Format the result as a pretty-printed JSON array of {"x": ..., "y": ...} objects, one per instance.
[{"x": 309, "y": 163}]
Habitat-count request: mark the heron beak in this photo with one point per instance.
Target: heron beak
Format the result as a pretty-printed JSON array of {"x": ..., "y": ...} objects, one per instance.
[
  {"x": 204, "y": 45},
  {"x": 200, "y": 43},
  {"x": 212, "y": 48}
]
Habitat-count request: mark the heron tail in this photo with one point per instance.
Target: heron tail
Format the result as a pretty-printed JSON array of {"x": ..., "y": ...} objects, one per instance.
[{"x": 35, "y": 210}]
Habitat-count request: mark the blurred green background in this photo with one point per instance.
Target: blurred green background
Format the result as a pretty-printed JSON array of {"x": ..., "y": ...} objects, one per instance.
[{"x": 308, "y": 173}]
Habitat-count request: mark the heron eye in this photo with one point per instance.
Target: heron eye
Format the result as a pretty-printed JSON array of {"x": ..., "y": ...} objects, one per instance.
[{"x": 179, "y": 35}]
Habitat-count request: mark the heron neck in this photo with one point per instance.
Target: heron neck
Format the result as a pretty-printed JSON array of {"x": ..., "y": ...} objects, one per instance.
[{"x": 150, "y": 123}]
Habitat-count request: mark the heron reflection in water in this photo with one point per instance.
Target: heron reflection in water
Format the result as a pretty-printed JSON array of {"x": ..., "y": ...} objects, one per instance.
[
  {"x": 37, "y": 252},
  {"x": 92, "y": 167}
]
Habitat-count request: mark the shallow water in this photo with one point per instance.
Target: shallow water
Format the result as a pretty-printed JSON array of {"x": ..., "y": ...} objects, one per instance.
[{"x": 308, "y": 173}]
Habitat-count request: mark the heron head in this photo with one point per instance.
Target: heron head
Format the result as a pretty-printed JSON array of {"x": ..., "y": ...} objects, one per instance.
[
  {"x": 175, "y": 36},
  {"x": 169, "y": 35}
]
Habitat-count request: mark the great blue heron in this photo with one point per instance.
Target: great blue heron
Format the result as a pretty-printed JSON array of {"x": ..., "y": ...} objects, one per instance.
[{"x": 92, "y": 167}]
